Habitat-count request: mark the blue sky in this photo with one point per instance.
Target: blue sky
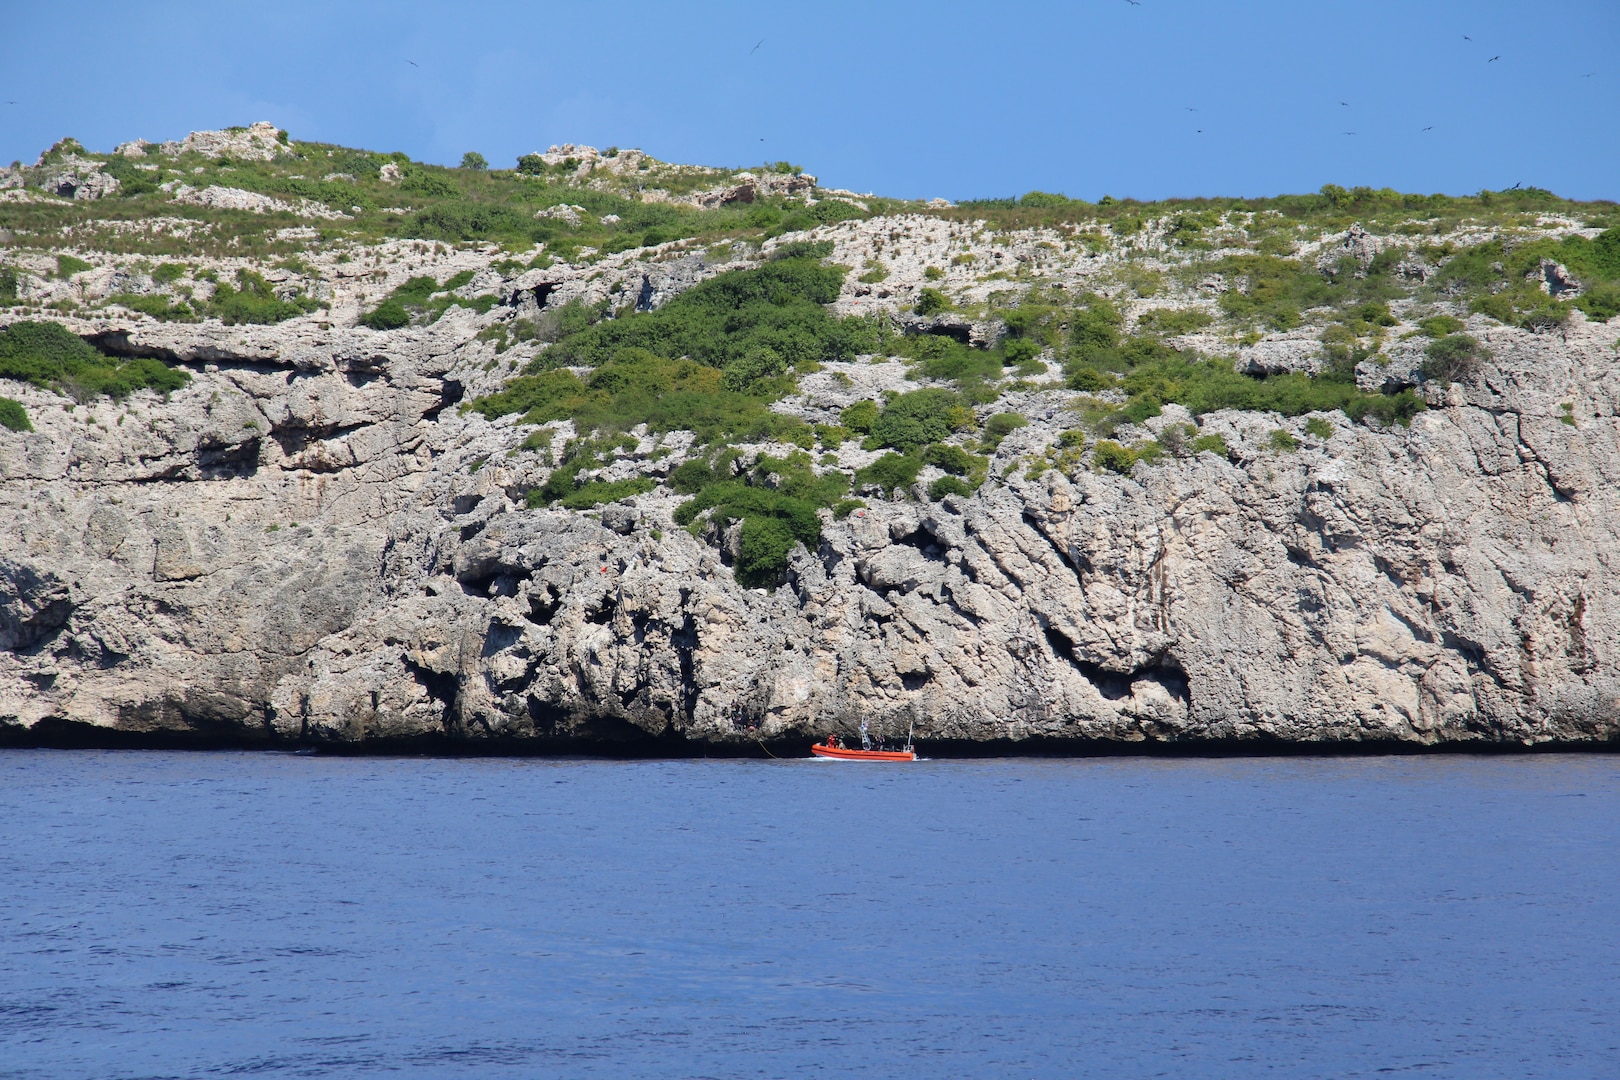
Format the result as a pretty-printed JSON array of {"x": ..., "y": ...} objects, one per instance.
[{"x": 907, "y": 99}]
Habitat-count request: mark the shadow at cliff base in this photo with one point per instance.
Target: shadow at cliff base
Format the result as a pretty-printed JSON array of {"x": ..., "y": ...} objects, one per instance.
[{"x": 73, "y": 735}]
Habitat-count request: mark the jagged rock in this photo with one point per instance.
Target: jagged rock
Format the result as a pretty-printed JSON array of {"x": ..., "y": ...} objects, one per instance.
[
  {"x": 1556, "y": 280},
  {"x": 260, "y": 142},
  {"x": 1357, "y": 244},
  {"x": 75, "y": 178},
  {"x": 562, "y": 212},
  {"x": 390, "y": 173},
  {"x": 312, "y": 543}
]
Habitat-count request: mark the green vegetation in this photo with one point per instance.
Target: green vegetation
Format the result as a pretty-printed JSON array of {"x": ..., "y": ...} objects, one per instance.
[
  {"x": 1283, "y": 442},
  {"x": 1453, "y": 358},
  {"x": 1319, "y": 428},
  {"x": 9, "y": 285},
  {"x": 48, "y": 356},
  {"x": 931, "y": 302},
  {"x": 472, "y": 159},
  {"x": 13, "y": 417},
  {"x": 778, "y": 306},
  {"x": 774, "y": 517},
  {"x": 891, "y": 471},
  {"x": 67, "y": 266},
  {"x": 423, "y": 296},
  {"x": 254, "y": 301},
  {"x": 913, "y": 420}
]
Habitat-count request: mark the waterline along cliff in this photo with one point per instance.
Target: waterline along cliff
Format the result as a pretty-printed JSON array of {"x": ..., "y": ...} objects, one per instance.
[{"x": 307, "y": 445}]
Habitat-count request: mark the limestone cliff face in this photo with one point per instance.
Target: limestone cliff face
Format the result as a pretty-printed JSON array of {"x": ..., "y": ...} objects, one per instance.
[{"x": 311, "y": 544}]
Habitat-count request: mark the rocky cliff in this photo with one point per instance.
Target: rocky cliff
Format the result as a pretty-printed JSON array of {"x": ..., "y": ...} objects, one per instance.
[{"x": 313, "y": 542}]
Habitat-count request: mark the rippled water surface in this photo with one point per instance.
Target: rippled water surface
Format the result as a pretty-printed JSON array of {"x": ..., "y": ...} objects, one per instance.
[{"x": 181, "y": 915}]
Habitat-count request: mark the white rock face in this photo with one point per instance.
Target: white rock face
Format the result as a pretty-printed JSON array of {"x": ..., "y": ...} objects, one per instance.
[{"x": 297, "y": 548}]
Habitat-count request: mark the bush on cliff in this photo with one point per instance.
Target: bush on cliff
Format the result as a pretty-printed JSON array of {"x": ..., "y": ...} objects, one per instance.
[
  {"x": 13, "y": 417},
  {"x": 47, "y": 355}
]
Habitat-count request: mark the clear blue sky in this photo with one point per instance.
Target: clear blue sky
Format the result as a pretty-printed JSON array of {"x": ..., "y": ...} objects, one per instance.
[{"x": 908, "y": 99}]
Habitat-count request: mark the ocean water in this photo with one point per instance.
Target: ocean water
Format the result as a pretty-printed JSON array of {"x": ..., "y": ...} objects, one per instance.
[{"x": 269, "y": 915}]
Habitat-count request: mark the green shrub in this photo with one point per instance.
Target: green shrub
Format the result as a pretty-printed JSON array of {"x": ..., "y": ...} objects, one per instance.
[
  {"x": 919, "y": 418},
  {"x": 933, "y": 273},
  {"x": 931, "y": 302},
  {"x": 588, "y": 495},
  {"x": 845, "y": 507},
  {"x": 1283, "y": 441},
  {"x": 874, "y": 273},
  {"x": 67, "y": 266},
  {"x": 771, "y": 523},
  {"x": 531, "y": 165},
  {"x": 779, "y": 305},
  {"x": 1319, "y": 427},
  {"x": 636, "y": 387},
  {"x": 1211, "y": 444},
  {"x": 1110, "y": 455},
  {"x": 745, "y": 373},
  {"x": 169, "y": 273},
  {"x": 254, "y": 301},
  {"x": 1088, "y": 379},
  {"x": 156, "y": 305},
  {"x": 1454, "y": 358},
  {"x": 860, "y": 417},
  {"x": 1001, "y": 425},
  {"x": 891, "y": 471},
  {"x": 1437, "y": 326},
  {"x": 1278, "y": 290},
  {"x": 949, "y": 485},
  {"x": 9, "y": 285},
  {"x": 389, "y": 315},
  {"x": 1173, "y": 322},
  {"x": 47, "y": 355},
  {"x": 472, "y": 159},
  {"x": 1601, "y": 302},
  {"x": 953, "y": 459},
  {"x": 13, "y": 417}
]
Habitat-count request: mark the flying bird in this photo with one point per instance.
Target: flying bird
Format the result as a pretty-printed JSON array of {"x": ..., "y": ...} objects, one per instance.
[
  {"x": 1349, "y": 133},
  {"x": 755, "y": 49},
  {"x": 1429, "y": 128},
  {"x": 1467, "y": 38},
  {"x": 1344, "y": 103},
  {"x": 1493, "y": 59},
  {"x": 1134, "y": 3},
  {"x": 1189, "y": 108},
  {"x": 413, "y": 63}
]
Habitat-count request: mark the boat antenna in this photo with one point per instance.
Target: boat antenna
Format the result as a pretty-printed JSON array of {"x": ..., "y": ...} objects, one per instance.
[{"x": 911, "y": 728}]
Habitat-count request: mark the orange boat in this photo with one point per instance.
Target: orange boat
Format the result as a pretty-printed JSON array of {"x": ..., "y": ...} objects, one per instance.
[{"x": 834, "y": 748}]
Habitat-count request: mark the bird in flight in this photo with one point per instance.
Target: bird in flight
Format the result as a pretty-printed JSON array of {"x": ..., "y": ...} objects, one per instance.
[
  {"x": 1349, "y": 133},
  {"x": 1189, "y": 108},
  {"x": 1494, "y": 59},
  {"x": 1134, "y": 3},
  {"x": 1429, "y": 128},
  {"x": 755, "y": 49},
  {"x": 413, "y": 63},
  {"x": 1467, "y": 38},
  {"x": 1344, "y": 103}
]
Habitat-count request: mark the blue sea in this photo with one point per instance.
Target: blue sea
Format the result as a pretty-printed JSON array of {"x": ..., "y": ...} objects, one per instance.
[{"x": 276, "y": 915}]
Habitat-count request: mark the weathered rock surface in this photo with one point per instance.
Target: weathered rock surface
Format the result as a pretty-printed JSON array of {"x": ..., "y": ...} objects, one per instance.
[{"x": 295, "y": 549}]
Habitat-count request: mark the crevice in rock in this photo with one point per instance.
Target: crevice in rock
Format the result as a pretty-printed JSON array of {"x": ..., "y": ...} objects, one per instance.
[
  {"x": 441, "y": 686},
  {"x": 601, "y": 613},
  {"x": 916, "y": 680},
  {"x": 543, "y": 605},
  {"x": 685, "y": 642},
  {"x": 450, "y": 392},
  {"x": 1062, "y": 553}
]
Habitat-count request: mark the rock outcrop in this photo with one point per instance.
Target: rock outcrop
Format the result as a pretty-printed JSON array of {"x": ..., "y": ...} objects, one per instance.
[
  {"x": 314, "y": 543},
  {"x": 293, "y": 549}
]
